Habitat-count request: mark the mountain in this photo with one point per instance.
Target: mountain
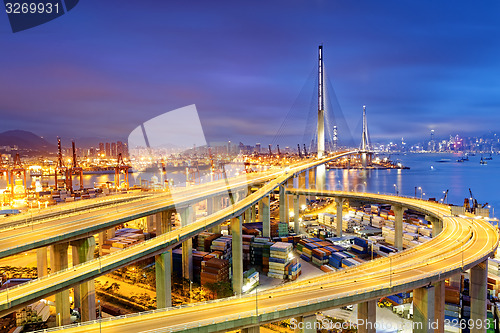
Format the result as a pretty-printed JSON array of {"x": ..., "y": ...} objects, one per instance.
[{"x": 25, "y": 140}]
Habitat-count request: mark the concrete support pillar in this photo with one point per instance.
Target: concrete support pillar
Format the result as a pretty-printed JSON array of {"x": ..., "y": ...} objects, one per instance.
[
  {"x": 456, "y": 281},
  {"x": 210, "y": 205},
  {"x": 163, "y": 271},
  {"x": 437, "y": 225},
  {"x": 423, "y": 309},
  {"x": 216, "y": 206},
  {"x": 237, "y": 252},
  {"x": 266, "y": 216},
  {"x": 248, "y": 216},
  {"x": 253, "y": 211},
  {"x": 312, "y": 178},
  {"x": 478, "y": 294},
  {"x": 309, "y": 324},
  {"x": 439, "y": 299},
  {"x": 302, "y": 185},
  {"x": 307, "y": 179},
  {"x": 150, "y": 223},
  {"x": 321, "y": 177},
  {"x": 83, "y": 251},
  {"x": 41, "y": 262},
  {"x": 367, "y": 316},
  {"x": 110, "y": 233},
  {"x": 253, "y": 329},
  {"x": 282, "y": 204},
  {"x": 59, "y": 261},
  {"x": 187, "y": 216},
  {"x": 296, "y": 214},
  {"x": 261, "y": 208},
  {"x": 398, "y": 227},
  {"x": 163, "y": 263},
  {"x": 339, "y": 203}
]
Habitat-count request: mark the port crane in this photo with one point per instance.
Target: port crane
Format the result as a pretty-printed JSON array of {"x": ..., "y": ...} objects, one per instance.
[
  {"x": 17, "y": 171},
  {"x": 120, "y": 168},
  {"x": 298, "y": 147},
  {"x": 4, "y": 170},
  {"x": 445, "y": 196},
  {"x": 61, "y": 171},
  {"x": 75, "y": 169},
  {"x": 305, "y": 150},
  {"x": 270, "y": 151}
]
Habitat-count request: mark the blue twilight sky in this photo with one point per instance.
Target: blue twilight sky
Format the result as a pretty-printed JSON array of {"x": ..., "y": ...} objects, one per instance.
[{"x": 107, "y": 66}]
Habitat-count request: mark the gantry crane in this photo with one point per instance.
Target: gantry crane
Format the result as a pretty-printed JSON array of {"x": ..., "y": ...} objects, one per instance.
[
  {"x": 121, "y": 168},
  {"x": 17, "y": 171}
]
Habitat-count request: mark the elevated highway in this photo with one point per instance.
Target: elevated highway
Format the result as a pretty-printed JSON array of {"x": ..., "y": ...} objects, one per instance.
[
  {"x": 464, "y": 243},
  {"x": 24, "y": 238}
]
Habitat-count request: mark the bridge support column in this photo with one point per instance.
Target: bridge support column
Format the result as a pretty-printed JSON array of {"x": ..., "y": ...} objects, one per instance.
[
  {"x": 237, "y": 251},
  {"x": 478, "y": 295},
  {"x": 340, "y": 204},
  {"x": 309, "y": 324},
  {"x": 253, "y": 329},
  {"x": 307, "y": 179},
  {"x": 150, "y": 223},
  {"x": 398, "y": 227},
  {"x": 296, "y": 214},
  {"x": 83, "y": 251},
  {"x": 423, "y": 310},
  {"x": 163, "y": 263},
  {"x": 367, "y": 316},
  {"x": 41, "y": 262},
  {"x": 59, "y": 261},
  {"x": 248, "y": 216},
  {"x": 266, "y": 216},
  {"x": 103, "y": 236},
  {"x": 439, "y": 300},
  {"x": 163, "y": 272},
  {"x": 437, "y": 226},
  {"x": 283, "y": 204},
  {"x": 321, "y": 177},
  {"x": 217, "y": 205},
  {"x": 253, "y": 210},
  {"x": 187, "y": 217},
  {"x": 312, "y": 178},
  {"x": 302, "y": 185},
  {"x": 260, "y": 206}
]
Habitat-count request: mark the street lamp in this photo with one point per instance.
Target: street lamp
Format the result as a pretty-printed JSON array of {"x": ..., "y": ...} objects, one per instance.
[
  {"x": 100, "y": 315},
  {"x": 396, "y": 189},
  {"x": 390, "y": 272},
  {"x": 190, "y": 291},
  {"x": 421, "y": 192}
]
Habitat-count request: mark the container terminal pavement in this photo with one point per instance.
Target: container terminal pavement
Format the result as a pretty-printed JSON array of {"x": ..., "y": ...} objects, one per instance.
[{"x": 462, "y": 243}]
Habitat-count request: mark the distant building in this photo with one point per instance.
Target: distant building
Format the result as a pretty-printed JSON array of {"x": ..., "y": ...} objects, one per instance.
[
  {"x": 113, "y": 149},
  {"x": 108, "y": 150}
]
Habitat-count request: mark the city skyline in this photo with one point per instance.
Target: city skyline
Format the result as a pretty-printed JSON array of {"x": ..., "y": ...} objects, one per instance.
[{"x": 91, "y": 74}]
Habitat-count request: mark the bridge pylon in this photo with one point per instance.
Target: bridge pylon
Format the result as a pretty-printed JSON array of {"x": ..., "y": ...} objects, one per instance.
[{"x": 365, "y": 141}]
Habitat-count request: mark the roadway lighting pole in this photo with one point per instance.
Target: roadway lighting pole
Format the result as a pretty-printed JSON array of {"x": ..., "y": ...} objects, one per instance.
[
  {"x": 396, "y": 189},
  {"x": 256, "y": 302},
  {"x": 190, "y": 291},
  {"x": 100, "y": 315},
  {"x": 390, "y": 272},
  {"x": 420, "y": 188}
]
